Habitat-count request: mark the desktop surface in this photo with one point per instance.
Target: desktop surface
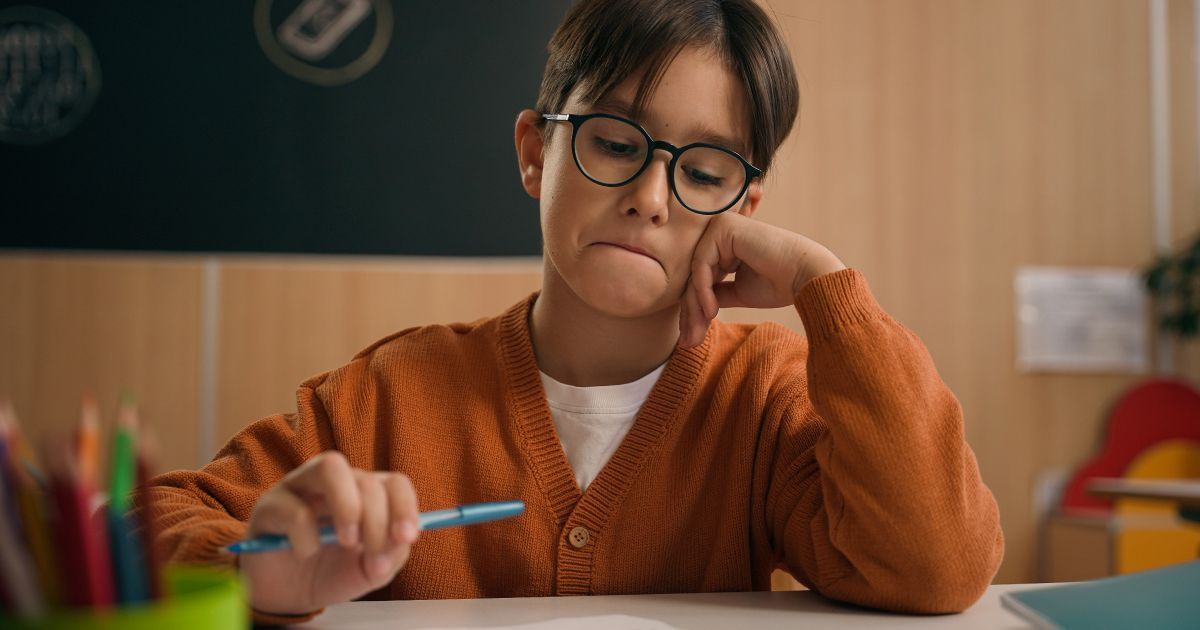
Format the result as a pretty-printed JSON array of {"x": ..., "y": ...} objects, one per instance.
[{"x": 743, "y": 611}]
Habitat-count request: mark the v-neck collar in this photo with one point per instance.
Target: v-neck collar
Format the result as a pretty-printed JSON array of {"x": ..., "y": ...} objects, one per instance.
[{"x": 528, "y": 403}]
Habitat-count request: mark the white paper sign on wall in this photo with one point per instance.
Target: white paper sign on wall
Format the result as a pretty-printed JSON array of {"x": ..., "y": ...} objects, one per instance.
[{"x": 1081, "y": 320}]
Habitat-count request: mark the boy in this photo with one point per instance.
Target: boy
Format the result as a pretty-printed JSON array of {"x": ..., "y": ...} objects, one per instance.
[{"x": 656, "y": 450}]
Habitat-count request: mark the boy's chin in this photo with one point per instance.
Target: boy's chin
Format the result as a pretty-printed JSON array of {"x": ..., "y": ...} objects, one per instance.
[{"x": 629, "y": 297}]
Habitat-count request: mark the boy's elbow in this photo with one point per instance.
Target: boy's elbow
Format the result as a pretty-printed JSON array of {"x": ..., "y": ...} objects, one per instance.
[
  {"x": 939, "y": 593},
  {"x": 949, "y": 586},
  {"x": 931, "y": 584}
]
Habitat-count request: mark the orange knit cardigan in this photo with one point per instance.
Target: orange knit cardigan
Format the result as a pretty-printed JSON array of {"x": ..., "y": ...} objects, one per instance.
[{"x": 839, "y": 457}]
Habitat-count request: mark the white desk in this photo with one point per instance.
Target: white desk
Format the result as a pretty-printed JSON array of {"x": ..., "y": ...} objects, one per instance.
[{"x": 740, "y": 611}]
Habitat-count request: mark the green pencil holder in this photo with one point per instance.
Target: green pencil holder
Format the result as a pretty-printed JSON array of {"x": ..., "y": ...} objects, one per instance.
[{"x": 199, "y": 598}]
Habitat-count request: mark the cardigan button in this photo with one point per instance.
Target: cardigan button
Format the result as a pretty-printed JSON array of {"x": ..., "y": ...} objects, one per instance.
[{"x": 578, "y": 537}]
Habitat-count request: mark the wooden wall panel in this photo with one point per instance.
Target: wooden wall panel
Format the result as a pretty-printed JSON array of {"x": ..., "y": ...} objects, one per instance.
[
  {"x": 942, "y": 145},
  {"x": 103, "y": 324},
  {"x": 285, "y": 320}
]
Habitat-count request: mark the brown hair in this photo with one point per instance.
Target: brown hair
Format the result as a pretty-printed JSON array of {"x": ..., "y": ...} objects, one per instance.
[{"x": 602, "y": 42}]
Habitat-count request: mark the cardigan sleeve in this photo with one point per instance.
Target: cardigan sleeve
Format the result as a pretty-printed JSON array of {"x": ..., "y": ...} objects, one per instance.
[
  {"x": 194, "y": 515},
  {"x": 874, "y": 496}
]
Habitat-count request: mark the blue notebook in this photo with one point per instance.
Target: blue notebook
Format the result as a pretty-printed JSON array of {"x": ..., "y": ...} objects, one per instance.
[{"x": 1160, "y": 599}]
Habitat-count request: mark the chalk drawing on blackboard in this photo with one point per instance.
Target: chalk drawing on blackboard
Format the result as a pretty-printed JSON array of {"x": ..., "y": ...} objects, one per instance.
[
  {"x": 314, "y": 40},
  {"x": 49, "y": 75}
]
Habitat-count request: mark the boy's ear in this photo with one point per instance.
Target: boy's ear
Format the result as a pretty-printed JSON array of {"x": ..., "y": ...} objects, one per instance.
[
  {"x": 754, "y": 195},
  {"x": 528, "y": 139}
]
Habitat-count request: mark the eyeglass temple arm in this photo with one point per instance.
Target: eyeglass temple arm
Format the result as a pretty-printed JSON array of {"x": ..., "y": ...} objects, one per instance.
[{"x": 556, "y": 116}]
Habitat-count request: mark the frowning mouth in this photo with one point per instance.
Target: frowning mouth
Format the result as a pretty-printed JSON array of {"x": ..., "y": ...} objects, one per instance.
[{"x": 630, "y": 248}]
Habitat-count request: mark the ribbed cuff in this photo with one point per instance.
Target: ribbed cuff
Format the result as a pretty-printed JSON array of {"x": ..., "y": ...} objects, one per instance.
[
  {"x": 835, "y": 301},
  {"x": 210, "y": 545}
]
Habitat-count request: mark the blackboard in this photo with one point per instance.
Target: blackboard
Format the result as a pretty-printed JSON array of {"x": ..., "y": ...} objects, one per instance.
[{"x": 199, "y": 139}]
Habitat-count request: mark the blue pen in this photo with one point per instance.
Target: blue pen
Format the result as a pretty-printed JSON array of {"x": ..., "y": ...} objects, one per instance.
[{"x": 453, "y": 517}]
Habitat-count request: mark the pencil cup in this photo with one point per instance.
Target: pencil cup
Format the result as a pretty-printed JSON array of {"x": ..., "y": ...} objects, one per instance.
[{"x": 198, "y": 598}]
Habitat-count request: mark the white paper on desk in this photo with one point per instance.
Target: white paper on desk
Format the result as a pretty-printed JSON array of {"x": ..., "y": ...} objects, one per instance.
[{"x": 598, "y": 622}]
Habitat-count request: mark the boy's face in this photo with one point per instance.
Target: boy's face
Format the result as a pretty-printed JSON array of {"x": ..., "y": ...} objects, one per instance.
[{"x": 591, "y": 232}]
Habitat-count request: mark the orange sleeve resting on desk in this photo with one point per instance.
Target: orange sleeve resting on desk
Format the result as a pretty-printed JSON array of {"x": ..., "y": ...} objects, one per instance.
[
  {"x": 886, "y": 508},
  {"x": 844, "y": 462}
]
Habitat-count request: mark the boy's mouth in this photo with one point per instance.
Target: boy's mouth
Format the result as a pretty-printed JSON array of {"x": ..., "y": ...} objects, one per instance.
[{"x": 631, "y": 248}]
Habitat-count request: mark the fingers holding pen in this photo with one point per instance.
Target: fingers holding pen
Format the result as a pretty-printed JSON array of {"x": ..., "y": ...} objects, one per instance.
[
  {"x": 323, "y": 485},
  {"x": 374, "y": 522},
  {"x": 389, "y": 524},
  {"x": 287, "y": 513},
  {"x": 329, "y": 479},
  {"x": 402, "y": 506},
  {"x": 375, "y": 563},
  {"x": 375, "y": 517}
]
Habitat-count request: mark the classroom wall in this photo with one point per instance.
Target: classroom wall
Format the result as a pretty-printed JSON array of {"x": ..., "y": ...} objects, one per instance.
[{"x": 942, "y": 144}]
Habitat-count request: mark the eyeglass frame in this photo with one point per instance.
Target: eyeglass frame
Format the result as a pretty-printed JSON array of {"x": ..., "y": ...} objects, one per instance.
[{"x": 577, "y": 121}]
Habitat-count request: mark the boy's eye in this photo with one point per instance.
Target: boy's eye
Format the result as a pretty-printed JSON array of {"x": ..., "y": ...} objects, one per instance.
[
  {"x": 617, "y": 148},
  {"x": 700, "y": 177}
]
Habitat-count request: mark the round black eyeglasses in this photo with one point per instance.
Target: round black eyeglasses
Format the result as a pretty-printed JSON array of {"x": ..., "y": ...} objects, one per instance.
[{"x": 613, "y": 151}]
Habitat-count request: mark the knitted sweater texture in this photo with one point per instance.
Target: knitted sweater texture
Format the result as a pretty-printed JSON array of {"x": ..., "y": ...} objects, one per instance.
[{"x": 838, "y": 455}]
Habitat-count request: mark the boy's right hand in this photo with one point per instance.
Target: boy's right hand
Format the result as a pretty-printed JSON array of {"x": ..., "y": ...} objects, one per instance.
[{"x": 375, "y": 514}]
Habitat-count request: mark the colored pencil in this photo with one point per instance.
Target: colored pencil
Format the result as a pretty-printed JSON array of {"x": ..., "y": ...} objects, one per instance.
[
  {"x": 37, "y": 527},
  {"x": 16, "y": 568},
  {"x": 122, "y": 460},
  {"x": 128, "y": 561},
  {"x": 81, "y": 540},
  {"x": 57, "y": 549},
  {"x": 31, "y": 504},
  {"x": 88, "y": 443},
  {"x": 8, "y": 506}
]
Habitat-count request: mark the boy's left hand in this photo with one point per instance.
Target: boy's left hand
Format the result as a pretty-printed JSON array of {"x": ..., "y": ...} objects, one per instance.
[{"x": 770, "y": 265}]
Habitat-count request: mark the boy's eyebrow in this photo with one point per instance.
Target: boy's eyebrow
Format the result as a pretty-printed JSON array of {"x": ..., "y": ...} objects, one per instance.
[{"x": 703, "y": 133}]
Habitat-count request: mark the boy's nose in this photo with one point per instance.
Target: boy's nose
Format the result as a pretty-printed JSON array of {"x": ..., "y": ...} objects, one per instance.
[{"x": 650, "y": 192}]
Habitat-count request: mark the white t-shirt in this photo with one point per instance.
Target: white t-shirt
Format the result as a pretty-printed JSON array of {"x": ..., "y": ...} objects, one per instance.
[{"x": 592, "y": 421}]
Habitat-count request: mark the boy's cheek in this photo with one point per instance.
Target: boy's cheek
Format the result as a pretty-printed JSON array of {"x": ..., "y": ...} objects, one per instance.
[{"x": 678, "y": 275}]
